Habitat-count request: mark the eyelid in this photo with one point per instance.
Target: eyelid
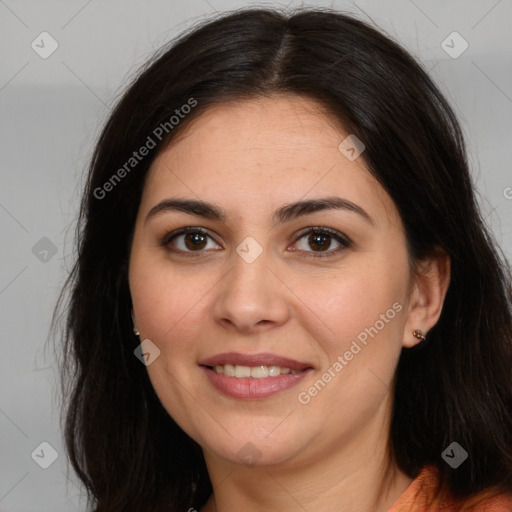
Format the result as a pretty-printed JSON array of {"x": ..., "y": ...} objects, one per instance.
[
  {"x": 182, "y": 231},
  {"x": 341, "y": 238}
]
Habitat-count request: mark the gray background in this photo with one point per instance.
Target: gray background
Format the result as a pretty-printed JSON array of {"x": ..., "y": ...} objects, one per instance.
[{"x": 51, "y": 111}]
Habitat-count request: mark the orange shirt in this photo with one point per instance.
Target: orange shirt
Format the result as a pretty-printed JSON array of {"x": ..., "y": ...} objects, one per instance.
[{"x": 423, "y": 489}]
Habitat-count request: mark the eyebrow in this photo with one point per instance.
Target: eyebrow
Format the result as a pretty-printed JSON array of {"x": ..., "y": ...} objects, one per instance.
[{"x": 284, "y": 214}]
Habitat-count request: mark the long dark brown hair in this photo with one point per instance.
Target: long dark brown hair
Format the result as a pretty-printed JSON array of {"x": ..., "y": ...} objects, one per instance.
[{"x": 457, "y": 386}]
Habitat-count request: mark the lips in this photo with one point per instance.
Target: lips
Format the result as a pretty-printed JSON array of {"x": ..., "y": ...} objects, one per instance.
[
  {"x": 264, "y": 359},
  {"x": 283, "y": 373}
]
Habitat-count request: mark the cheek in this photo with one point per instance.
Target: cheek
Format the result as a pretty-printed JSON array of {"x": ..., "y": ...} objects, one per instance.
[
  {"x": 166, "y": 297},
  {"x": 360, "y": 341},
  {"x": 168, "y": 305},
  {"x": 363, "y": 316},
  {"x": 362, "y": 301}
]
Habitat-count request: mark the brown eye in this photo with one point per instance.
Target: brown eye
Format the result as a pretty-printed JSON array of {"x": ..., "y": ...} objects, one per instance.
[
  {"x": 188, "y": 240},
  {"x": 195, "y": 241},
  {"x": 320, "y": 240}
]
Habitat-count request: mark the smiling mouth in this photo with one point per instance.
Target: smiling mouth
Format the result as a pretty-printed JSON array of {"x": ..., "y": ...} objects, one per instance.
[{"x": 253, "y": 376}]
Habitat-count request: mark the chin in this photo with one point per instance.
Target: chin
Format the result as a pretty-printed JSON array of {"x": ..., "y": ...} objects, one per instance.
[{"x": 255, "y": 447}]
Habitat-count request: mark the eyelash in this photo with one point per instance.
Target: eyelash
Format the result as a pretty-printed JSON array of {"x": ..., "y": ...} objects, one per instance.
[{"x": 342, "y": 239}]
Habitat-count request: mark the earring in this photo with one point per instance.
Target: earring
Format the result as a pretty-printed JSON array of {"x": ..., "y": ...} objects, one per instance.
[{"x": 419, "y": 334}]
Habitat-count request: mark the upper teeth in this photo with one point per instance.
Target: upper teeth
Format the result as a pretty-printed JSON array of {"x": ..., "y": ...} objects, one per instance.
[{"x": 257, "y": 372}]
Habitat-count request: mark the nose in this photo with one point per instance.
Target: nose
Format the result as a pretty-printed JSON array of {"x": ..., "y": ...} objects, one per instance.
[{"x": 251, "y": 297}]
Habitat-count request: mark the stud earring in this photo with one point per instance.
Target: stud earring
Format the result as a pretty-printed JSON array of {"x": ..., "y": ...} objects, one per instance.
[{"x": 419, "y": 334}]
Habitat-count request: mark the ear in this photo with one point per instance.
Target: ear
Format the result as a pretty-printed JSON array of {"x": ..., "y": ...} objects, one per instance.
[{"x": 427, "y": 293}]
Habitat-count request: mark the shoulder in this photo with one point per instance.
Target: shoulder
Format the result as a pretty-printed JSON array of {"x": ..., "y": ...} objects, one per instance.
[{"x": 425, "y": 495}]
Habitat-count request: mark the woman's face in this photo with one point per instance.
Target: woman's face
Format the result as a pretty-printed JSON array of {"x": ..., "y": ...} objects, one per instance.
[{"x": 250, "y": 287}]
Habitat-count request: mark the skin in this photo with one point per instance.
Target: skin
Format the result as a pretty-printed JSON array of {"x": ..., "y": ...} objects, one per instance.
[{"x": 251, "y": 158}]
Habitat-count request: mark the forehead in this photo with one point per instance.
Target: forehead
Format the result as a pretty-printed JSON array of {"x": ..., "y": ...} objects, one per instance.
[
  {"x": 262, "y": 151},
  {"x": 273, "y": 124}
]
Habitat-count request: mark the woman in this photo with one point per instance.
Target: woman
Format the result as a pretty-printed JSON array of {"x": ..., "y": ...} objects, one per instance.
[{"x": 285, "y": 297}]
